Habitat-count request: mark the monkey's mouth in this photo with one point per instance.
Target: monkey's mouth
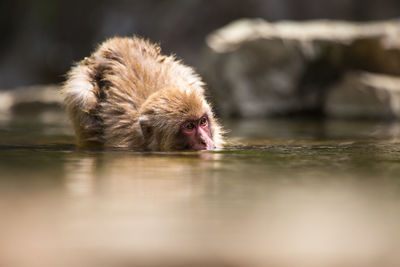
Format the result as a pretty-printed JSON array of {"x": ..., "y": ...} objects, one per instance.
[{"x": 199, "y": 147}]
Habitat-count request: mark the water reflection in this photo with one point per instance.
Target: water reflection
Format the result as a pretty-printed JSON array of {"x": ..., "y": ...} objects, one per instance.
[
  {"x": 294, "y": 194},
  {"x": 284, "y": 129},
  {"x": 80, "y": 176}
]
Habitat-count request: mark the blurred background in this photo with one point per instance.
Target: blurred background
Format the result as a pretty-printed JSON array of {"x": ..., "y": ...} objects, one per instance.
[{"x": 41, "y": 39}]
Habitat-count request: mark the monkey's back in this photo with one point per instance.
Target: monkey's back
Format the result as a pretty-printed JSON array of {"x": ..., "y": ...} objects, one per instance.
[{"x": 104, "y": 92}]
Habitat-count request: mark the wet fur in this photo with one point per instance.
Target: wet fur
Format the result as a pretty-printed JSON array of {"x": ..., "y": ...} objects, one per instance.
[{"x": 127, "y": 94}]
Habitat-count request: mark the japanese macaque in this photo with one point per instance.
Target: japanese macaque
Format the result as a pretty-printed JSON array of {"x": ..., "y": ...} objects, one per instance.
[{"x": 127, "y": 94}]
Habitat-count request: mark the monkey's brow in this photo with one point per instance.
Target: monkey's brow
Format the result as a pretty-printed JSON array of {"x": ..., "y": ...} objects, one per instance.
[{"x": 196, "y": 118}]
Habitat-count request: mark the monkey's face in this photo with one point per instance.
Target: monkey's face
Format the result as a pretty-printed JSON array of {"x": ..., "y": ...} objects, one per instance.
[
  {"x": 197, "y": 134},
  {"x": 173, "y": 119}
]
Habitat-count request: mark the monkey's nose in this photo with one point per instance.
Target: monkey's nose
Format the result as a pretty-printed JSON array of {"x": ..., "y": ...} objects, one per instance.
[
  {"x": 205, "y": 143},
  {"x": 208, "y": 144},
  {"x": 201, "y": 145}
]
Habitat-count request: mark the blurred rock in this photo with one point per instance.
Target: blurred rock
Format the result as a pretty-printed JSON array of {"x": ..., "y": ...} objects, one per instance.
[
  {"x": 41, "y": 39},
  {"x": 255, "y": 68},
  {"x": 364, "y": 95},
  {"x": 256, "y": 80},
  {"x": 30, "y": 98}
]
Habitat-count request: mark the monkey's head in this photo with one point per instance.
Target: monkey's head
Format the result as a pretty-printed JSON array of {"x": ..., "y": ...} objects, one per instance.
[{"x": 172, "y": 119}]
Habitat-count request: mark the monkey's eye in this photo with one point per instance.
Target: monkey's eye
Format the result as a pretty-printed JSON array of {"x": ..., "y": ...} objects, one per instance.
[
  {"x": 189, "y": 125},
  {"x": 203, "y": 121}
]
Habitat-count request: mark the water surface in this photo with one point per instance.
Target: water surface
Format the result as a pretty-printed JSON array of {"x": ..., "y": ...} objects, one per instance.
[{"x": 288, "y": 192}]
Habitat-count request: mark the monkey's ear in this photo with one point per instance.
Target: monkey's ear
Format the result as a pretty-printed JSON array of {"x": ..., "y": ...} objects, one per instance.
[{"x": 145, "y": 127}]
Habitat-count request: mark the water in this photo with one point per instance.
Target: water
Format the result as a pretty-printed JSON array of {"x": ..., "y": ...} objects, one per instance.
[{"x": 287, "y": 193}]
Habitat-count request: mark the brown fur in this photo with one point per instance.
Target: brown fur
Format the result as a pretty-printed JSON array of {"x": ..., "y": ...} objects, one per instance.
[{"x": 127, "y": 94}]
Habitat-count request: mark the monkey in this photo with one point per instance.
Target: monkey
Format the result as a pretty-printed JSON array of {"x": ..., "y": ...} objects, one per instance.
[{"x": 127, "y": 94}]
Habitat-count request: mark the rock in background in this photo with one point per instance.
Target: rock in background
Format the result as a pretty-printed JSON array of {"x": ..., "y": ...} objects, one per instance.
[
  {"x": 41, "y": 39},
  {"x": 44, "y": 100},
  {"x": 364, "y": 95},
  {"x": 256, "y": 69},
  {"x": 44, "y": 96}
]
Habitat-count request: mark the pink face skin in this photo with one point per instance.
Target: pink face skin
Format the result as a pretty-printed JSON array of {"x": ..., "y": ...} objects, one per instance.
[{"x": 197, "y": 134}]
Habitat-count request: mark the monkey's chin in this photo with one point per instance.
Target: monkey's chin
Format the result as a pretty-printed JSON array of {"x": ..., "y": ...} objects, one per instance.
[{"x": 202, "y": 147}]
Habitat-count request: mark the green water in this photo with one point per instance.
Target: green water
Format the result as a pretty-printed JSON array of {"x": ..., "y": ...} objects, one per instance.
[{"x": 289, "y": 192}]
